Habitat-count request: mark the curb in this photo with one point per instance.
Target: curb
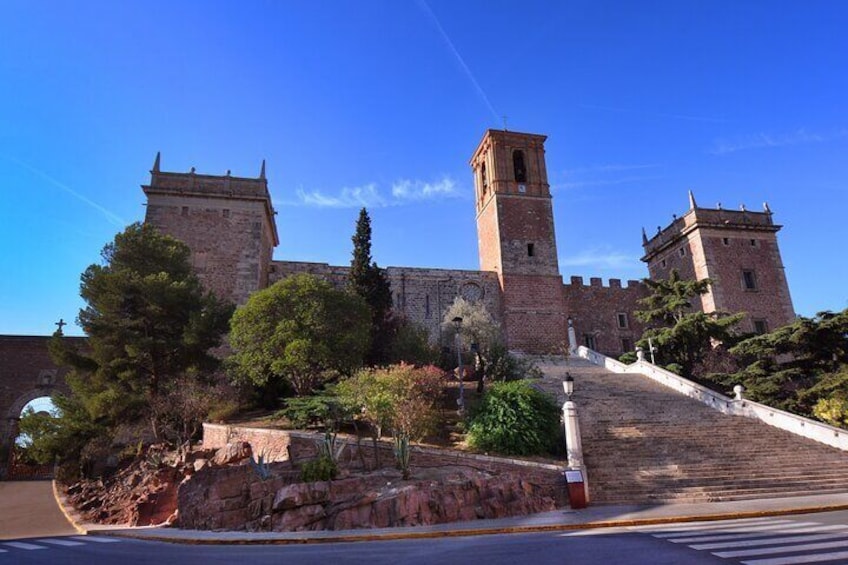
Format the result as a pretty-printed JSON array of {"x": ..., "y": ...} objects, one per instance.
[
  {"x": 364, "y": 537},
  {"x": 70, "y": 514}
]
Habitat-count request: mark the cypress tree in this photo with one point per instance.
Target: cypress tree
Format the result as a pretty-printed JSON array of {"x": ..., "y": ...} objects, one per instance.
[{"x": 370, "y": 282}]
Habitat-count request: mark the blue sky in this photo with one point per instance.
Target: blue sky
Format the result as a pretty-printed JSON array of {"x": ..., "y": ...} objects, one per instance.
[{"x": 381, "y": 103}]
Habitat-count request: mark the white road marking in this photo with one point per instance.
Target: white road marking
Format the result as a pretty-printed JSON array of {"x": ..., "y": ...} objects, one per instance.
[
  {"x": 798, "y": 559},
  {"x": 693, "y": 537},
  {"x": 789, "y": 548},
  {"x": 22, "y": 545},
  {"x": 766, "y": 541},
  {"x": 59, "y": 541},
  {"x": 701, "y": 526}
]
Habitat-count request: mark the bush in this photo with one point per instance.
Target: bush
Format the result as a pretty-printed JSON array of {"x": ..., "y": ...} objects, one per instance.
[
  {"x": 515, "y": 419},
  {"x": 320, "y": 410},
  {"x": 503, "y": 366},
  {"x": 321, "y": 469}
]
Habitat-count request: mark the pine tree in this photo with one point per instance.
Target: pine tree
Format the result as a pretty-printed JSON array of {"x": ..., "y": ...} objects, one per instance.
[{"x": 370, "y": 282}]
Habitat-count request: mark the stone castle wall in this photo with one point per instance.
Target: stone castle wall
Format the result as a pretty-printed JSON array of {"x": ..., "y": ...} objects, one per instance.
[
  {"x": 595, "y": 312},
  {"x": 421, "y": 295}
]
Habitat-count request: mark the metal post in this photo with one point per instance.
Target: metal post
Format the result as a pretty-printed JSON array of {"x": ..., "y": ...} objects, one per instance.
[{"x": 461, "y": 401}]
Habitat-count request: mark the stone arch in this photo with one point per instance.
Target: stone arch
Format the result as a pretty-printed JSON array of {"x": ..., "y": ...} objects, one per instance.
[{"x": 26, "y": 372}]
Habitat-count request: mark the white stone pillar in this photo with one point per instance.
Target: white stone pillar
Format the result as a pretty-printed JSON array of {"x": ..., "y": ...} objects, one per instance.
[
  {"x": 572, "y": 338},
  {"x": 573, "y": 444}
]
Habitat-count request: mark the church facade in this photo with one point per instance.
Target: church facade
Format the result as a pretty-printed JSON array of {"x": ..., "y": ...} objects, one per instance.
[{"x": 229, "y": 225}]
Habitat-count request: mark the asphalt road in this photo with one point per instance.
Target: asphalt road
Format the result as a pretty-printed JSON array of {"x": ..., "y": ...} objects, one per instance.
[
  {"x": 27, "y": 508},
  {"x": 761, "y": 541}
]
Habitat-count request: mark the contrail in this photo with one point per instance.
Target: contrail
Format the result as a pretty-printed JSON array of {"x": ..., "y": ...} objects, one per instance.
[
  {"x": 112, "y": 217},
  {"x": 460, "y": 60}
]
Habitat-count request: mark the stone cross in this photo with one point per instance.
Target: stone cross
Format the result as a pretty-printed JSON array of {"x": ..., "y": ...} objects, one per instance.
[{"x": 61, "y": 323}]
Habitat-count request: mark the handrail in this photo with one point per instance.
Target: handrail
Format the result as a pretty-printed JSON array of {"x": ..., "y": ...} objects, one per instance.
[{"x": 798, "y": 425}]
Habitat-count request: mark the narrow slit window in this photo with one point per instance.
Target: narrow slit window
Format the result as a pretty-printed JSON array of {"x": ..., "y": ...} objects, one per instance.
[
  {"x": 725, "y": 240},
  {"x": 749, "y": 280},
  {"x": 426, "y": 305},
  {"x": 531, "y": 249},
  {"x": 622, "y": 320}
]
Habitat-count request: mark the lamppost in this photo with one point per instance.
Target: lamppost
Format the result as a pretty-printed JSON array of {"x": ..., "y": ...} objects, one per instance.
[
  {"x": 568, "y": 385},
  {"x": 457, "y": 323}
]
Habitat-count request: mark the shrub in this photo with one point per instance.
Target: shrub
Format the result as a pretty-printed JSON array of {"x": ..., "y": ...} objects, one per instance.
[
  {"x": 515, "y": 419},
  {"x": 503, "y": 366},
  {"x": 321, "y": 469}
]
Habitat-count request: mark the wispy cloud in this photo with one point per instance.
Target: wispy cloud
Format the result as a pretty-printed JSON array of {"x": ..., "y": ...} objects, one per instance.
[
  {"x": 765, "y": 140},
  {"x": 426, "y": 8},
  {"x": 419, "y": 190},
  {"x": 601, "y": 258},
  {"x": 108, "y": 214},
  {"x": 348, "y": 197},
  {"x": 371, "y": 196}
]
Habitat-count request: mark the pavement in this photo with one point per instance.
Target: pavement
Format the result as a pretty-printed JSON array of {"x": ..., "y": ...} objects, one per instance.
[
  {"x": 601, "y": 516},
  {"x": 29, "y": 507}
]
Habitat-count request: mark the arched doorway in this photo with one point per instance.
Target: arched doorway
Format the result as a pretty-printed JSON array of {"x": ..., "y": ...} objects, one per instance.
[{"x": 17, "y": 461}]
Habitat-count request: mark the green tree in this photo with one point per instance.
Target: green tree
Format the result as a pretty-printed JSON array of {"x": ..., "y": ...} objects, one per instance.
[
  {"x": 801, "y": 367},
  {"x": 300, "y": 330},
  {"x": 478, "y": 326},
  {"x": 401, "y": 398},
  {"x": 683, "y": 337},
  {"x": 148, "y": 323},
  {"x": 370, "y": 282}
]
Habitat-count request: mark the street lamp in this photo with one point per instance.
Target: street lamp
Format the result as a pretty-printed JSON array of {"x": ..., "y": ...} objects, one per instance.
[
  {"x": 568, "y": 385},
  {"x": 457, "y": 323}
]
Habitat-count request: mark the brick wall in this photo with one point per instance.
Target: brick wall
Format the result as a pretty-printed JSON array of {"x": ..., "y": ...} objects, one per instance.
[{"x": 594, "y": 310}]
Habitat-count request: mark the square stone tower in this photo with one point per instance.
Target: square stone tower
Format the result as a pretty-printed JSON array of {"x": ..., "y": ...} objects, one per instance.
[
  {"x": 515, "y": 235},
  {"x": 738, "y": 251},
  {"x": 227, "y": 222}
]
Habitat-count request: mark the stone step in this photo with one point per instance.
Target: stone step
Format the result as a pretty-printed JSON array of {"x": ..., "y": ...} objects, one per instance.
[{"x": 646, "y": 442}]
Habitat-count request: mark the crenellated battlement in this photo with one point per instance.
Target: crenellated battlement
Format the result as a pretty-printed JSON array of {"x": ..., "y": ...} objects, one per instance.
[{"x": 598, "y": 282}]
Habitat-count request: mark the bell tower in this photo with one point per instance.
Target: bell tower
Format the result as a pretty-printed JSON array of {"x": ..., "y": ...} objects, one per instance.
[{"x": 515, "y": 235}]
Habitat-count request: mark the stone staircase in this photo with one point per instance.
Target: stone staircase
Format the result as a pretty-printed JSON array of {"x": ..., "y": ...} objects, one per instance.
[{"x": 643, "y": 442}]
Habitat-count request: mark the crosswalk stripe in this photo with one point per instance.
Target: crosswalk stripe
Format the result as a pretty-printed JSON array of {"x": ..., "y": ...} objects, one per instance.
[
  {"x": 97, "y": 539},
  {"x": 799, "y": 559},
  {"x": 766, "y": 541},
  {"x": 782, "y": 549},
  {"x": 788, "y": 530},
  {"x": 62, "y": 542},
  {"x": 698, "y": 526},
  {"x": 22, "y": 545},
  {"x": 694, "y": 536}
]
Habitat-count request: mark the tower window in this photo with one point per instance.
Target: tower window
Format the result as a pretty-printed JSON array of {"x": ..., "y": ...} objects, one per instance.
[
  {"x": 682, "y": 252},
  {"x": 626, "y": 345},
  {"x": 622, "y": 320},
  {"x": 589, "y": 341},
  {"x": 753, "y": 243},
  {"x": 518, "y": 166},
  {"x": 531, "y": 249},
  {"x": 760, "y": 327},
  {"x": 184, "y": 211},
  {"x": 483, "y": 178},
  {"x": 663, "y": 263},
  {"x": 226, "y": 213},
  {"x": 749, "y": 280},
  {"x": 725, "y": 240}
]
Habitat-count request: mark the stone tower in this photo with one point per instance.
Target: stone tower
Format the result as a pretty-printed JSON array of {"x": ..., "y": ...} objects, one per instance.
[
  {"x": 515, "y": 235},
  {"x": 738, "y": 251},
  {"x": 227, "y": 222}
]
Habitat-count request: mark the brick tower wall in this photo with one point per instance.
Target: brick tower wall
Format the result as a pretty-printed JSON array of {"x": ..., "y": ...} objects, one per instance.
[{"x": 227, "y": 222}]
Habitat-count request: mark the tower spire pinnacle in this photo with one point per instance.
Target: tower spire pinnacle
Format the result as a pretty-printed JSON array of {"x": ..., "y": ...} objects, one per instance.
[
  {"x": 156, "y": 162},
  {"x": 262, "y": 170},
  {"x": 644, "y": 236},
  {"x": 692, "y": 203}
]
